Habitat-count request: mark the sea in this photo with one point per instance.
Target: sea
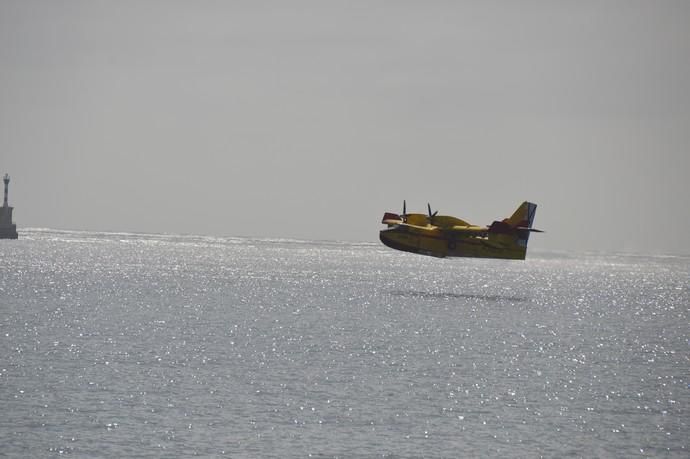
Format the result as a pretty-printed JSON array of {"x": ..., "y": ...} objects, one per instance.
[{"x": 155, "y": 345}]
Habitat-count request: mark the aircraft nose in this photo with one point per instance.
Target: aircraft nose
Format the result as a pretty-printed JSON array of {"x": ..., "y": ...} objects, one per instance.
[
  {"x": 383, "y": 236},
  {"x": 386, "y": 236}
]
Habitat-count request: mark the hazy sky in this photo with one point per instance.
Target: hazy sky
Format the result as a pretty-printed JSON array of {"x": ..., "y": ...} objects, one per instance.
[{"x": 310, "y": 119}]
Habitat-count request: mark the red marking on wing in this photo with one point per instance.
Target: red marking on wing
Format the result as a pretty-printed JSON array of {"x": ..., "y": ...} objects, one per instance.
[{"x": 390, "y": 216}]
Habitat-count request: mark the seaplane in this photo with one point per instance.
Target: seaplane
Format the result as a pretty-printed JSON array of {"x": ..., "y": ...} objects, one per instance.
[{"x": 445, "y": 236}]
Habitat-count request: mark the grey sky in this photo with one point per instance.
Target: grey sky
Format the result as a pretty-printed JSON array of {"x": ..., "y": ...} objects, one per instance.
[{"x": 310, "y": 119}]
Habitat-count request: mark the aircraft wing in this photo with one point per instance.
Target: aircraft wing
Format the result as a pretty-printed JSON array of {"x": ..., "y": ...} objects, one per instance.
[{"x": 391, "y": 219}]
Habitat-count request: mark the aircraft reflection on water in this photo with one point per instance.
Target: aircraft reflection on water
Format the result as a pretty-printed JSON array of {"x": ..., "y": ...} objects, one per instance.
[{"x": 446, "y": 236}]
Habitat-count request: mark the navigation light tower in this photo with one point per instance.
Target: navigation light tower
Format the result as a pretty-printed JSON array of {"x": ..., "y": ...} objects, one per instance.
[{"x": 8, "y": 230}]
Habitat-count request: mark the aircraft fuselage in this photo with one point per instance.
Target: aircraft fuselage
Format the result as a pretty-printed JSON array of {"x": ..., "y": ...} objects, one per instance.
[{"x": 435, "y": 242}]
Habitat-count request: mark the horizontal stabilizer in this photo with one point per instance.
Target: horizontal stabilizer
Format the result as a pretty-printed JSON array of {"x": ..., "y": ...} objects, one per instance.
[{"x": 531, "y": 230}]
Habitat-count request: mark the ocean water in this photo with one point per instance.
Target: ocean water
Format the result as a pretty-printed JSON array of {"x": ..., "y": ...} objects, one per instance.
[{"x": 131, "y": 345}]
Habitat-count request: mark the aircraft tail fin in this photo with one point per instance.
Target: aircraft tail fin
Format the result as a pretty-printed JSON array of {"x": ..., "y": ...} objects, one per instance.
[
  {"x": 522, "y": 220},
  {"x": 523, "y": 217}
]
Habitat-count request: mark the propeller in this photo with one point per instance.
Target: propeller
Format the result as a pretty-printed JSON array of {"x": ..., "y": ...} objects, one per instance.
[
  {"x": 431, "y": 215},
  {"x": 403, "y": 216}
]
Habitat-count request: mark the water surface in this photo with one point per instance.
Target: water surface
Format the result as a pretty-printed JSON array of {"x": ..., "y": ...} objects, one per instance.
[{"x": 117, "y": 345}]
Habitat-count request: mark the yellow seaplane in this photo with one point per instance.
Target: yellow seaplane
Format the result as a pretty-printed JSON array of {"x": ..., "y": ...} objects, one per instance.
[{"x": 446, "y": 236}]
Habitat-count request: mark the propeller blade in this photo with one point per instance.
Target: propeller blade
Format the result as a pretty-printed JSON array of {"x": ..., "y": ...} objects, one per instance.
[{"x": 431, "y": 214}]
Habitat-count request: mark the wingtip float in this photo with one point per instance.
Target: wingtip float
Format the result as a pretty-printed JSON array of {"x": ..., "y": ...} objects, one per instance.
[{"x": 446, "y": 236}]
